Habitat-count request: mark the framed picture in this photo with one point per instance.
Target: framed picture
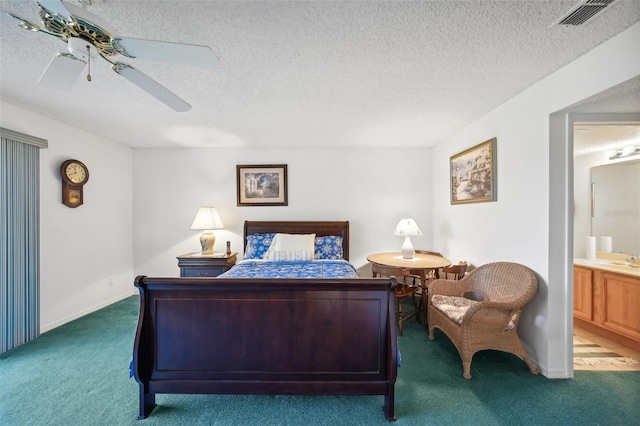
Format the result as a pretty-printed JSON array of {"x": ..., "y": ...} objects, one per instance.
[
  {"x": 473, "y": 174},
  {"x": 262, "y": 185}
]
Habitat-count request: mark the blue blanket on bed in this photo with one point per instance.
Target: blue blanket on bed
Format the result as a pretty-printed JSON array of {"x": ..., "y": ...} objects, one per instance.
[{"x": 310, "y": 269}]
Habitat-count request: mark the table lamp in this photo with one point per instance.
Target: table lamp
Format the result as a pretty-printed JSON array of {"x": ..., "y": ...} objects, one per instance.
[
  {"x": 207, "y": 219},
  {"x": 407, "y": 228}
]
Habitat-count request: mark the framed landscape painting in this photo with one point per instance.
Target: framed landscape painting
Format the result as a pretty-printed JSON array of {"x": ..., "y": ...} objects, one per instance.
[
  {"x": 262, "y": 185},
  {"x": 473, "y": 174}
]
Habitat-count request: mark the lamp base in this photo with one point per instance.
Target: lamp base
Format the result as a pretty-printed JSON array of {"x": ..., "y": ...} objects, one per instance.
[
  {"x": 407, "y": 249},
  {"x": 207, "y": 241}
]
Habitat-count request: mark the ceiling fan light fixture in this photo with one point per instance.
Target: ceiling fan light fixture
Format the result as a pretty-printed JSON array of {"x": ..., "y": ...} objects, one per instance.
[{"x": 79, "y": 48}]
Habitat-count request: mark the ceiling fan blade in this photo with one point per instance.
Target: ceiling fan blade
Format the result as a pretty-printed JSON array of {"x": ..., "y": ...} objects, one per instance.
[
  {"x": 164, "y": 51},
  {"x": 10, "y": 19},
  {"x": 62, "y": 72},
  {"x": 67, "y": 9},
  {"x": 151, "y": 86},
  {"x": 55, "y": 7}
]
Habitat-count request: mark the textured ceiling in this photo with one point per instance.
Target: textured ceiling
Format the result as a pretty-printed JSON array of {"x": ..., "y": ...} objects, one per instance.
[
  {"x": 309, "y": 73},
  {"x": 597, "y": 137},
  {"x": 590, "y": 138}
]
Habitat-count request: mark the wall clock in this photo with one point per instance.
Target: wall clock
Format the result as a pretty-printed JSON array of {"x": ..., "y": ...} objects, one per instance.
[{"x": 74, "y": 175}]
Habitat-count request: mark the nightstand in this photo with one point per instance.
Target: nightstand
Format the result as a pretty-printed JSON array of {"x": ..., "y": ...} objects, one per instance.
[{"x": 200, "y": 265}]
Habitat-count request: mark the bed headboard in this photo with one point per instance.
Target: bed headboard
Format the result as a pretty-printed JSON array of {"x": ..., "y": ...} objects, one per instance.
[{"x": 321, "y": 229}]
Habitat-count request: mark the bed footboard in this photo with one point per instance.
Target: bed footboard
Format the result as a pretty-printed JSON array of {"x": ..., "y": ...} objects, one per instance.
[{"x": 265, "y": 336}]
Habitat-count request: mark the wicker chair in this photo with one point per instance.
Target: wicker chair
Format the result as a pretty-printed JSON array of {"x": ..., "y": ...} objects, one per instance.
[{"x": 491, "y": 323}]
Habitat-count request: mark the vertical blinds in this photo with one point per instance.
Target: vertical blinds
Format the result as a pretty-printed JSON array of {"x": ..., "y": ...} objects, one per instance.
[{"x": 19, "y": 244}]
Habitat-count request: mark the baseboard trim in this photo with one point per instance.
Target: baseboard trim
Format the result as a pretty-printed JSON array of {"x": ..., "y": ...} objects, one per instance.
[
  {"x": 561, "y": 373},
  {"x": 607, "y": 334},
  {"x": 55, "y": 324},
  {"x": 557, "y": 374}
]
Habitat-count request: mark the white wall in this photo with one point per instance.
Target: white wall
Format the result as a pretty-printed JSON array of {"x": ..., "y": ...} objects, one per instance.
[
  {"x": 517, "y": 226},
  {"x": 370, "y": 187},
  {"x": 82, "y": 250}
]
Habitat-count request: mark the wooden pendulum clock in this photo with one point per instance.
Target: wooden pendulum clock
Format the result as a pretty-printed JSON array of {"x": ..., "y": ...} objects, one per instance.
[{"x": 74, "y": 175}]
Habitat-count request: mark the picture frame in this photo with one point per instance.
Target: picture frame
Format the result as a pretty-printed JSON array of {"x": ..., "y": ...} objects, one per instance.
[
  {"x": 474, "y": 174},
  {"x": 262, "y": 185}
]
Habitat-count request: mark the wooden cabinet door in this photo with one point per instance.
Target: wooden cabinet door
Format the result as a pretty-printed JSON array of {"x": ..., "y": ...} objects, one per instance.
[
  {"x": 583, "y": 293},
  {"x": 621, "y": 303}
]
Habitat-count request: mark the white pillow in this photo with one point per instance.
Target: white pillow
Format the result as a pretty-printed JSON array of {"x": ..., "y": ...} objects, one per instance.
[
  {"x": 291, "y": 242},
  {"x": 290, "y": 256}
]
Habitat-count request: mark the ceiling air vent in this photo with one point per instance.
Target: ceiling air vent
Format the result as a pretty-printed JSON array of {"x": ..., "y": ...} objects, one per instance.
[{"x": 584, "y": 11}]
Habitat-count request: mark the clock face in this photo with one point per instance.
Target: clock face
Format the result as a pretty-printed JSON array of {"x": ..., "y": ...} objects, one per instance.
[{"x": 75, "y": 172}]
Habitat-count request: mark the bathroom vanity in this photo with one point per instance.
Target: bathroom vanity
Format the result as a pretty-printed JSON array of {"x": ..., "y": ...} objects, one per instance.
[{"x": 606, "y": 298}]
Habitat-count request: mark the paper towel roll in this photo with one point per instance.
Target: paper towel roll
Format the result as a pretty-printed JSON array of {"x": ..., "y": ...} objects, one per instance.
[
  {"x": 591, "y": 247},
  {"x": 605, "y": 244}
]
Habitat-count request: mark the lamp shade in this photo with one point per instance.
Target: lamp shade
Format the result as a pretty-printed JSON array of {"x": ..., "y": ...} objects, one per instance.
[
  {"x": 407, "y": 228},
  {"x": 207, "y": 218}
]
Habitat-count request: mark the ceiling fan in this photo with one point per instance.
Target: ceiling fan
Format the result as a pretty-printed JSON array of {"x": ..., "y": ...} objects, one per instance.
[{"x": 85, "y": 33}]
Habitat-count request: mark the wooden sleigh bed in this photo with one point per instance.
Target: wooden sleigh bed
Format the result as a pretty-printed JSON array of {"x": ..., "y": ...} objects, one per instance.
[{"x": 267, "y": 335}]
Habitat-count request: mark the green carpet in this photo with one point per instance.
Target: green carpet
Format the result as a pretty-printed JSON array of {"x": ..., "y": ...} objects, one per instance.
[{"x": 77, "y": 374}]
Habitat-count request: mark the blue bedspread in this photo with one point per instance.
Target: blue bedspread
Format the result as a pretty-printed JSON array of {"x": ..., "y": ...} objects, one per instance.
[{"x": 311, "y": 269}]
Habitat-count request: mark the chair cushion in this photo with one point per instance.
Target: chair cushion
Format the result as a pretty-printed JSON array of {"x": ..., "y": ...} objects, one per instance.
[
  {"x": 455, "y": 307},
  {"x": 452, "y": 306}
]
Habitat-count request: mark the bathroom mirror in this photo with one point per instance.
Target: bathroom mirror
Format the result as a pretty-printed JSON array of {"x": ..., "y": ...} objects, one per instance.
[{"x": 615, "y": 204}]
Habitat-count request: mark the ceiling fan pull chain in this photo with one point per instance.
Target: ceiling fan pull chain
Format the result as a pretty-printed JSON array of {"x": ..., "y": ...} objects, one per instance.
[{"x": 88, "y": 64}]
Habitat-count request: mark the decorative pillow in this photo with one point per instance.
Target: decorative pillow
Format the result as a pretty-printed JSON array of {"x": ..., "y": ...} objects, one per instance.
[
  {"x": 329, "y": 247},
  {"x": 257, "y": 245},
  {"x": 289, "y": 256},
  {"x": 292, "y": 242}
]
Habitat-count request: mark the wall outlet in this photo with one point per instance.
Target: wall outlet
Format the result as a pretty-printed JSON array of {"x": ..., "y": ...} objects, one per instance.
[{"x": 110, "y": 281}]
